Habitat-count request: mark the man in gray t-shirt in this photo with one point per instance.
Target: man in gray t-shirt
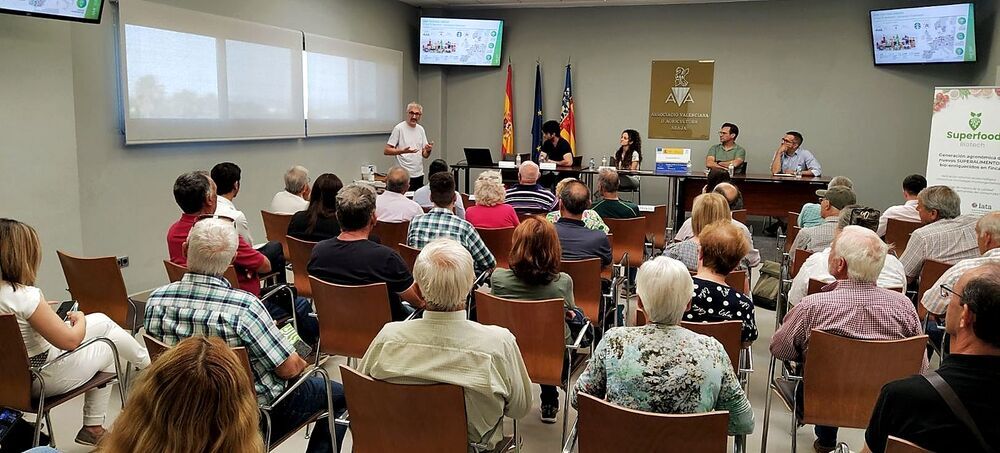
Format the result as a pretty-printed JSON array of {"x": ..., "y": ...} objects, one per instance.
[
  {"x": 408, "y": 142},
  {"x": 727, "y": 152}
]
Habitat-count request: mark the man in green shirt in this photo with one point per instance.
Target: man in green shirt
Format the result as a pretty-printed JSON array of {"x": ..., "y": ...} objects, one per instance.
[
  {"x": 610, "y": 207},
  {"x": 727, "y": 151}
]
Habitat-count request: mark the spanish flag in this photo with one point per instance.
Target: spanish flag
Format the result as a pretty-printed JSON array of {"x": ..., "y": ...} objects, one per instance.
[
  {"x": 567, "y": 123},
  {"x": 507, "y": 140}
]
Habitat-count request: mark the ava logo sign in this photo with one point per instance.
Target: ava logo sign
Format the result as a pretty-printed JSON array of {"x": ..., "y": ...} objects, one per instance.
[
  {"x": 680, "y": 93},
  {"x": 976, "y": 120}
]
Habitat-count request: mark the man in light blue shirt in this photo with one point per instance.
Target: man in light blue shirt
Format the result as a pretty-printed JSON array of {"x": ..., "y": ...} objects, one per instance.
[{"x": 790, "y": 157}]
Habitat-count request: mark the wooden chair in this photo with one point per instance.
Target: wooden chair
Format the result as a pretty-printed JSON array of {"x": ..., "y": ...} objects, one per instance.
[
  {"x": 739, "y": 281},
  {"x": 386, "y": 417},
  {"x": 727, "y": 332},
  {"x": 896, "y": 445},
  {"x": 930, "y": 273},
  {"x": 629, "y": 238},
  {"x": 97, "y": 284},
  {"x": 499, "y": 241},
  {"x": 586, "y": 275},
  {"x": 800, "y": 258},
  {"x": 427, "y": 208},
  {"x": 299, "y": 252},
  {"x": 17, "y": 375},
  {"x": 740, "y": 215},
  {"x": 843, "y": 378},
  {"x": 349, "y": 316},
  {"x": 793, "y": 232},
  {"x": 784, "y": 242},
  {"x": 175, "y": 272},
  {"x": 154, "y": 347},
  {"x": 409, "y": 255},
  {"x": 522, "y": 216},
  {"x": 276, "y": 227},
  {"x": 897, "y": 233},
  {"x": 605, "y": 427},
  {"x": 391, "y": 234},
  {"x": 815, "y": 286},
  {"x": 467, "y": 200},
  {"x": 656, "y": 227}
]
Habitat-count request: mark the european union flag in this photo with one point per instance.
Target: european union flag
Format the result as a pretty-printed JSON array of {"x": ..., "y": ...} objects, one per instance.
[{"x": 536, "y": 122}]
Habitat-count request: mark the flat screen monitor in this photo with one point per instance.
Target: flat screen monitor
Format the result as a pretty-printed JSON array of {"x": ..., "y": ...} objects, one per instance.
[
  {"x": 460, "y": 42},
  {"x": 930, "y": 34},
  {"x": 75, "y": 10}
]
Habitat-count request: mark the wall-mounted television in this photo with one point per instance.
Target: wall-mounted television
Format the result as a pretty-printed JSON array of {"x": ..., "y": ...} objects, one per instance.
[
  {"x": 930, "y": 34},
  {"x": 75, "y": 10},
  {"x": 460, "y": 42}
]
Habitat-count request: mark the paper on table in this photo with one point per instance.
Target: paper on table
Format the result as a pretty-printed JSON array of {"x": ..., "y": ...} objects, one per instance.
[{"x": 783, "y": 174}]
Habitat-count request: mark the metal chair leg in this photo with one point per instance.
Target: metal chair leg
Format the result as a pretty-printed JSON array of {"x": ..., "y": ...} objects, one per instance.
[
  {"x": 795, "y": 421},
  {"x": 767, "y": 405},
  {"x": 48, "y": 427}
]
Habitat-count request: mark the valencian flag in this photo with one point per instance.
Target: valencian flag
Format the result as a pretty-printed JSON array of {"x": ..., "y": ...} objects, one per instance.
[
  {"x": 536, "y": 122},
  {"x": 567, "y": 122},
  {"x": 507, "y": 140}
]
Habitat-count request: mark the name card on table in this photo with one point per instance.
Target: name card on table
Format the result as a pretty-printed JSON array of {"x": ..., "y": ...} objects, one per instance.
[
  {"x": 646, "y": 208},
  {"x": 547, "y": 166},
  {"x": 507, "y": 164}
]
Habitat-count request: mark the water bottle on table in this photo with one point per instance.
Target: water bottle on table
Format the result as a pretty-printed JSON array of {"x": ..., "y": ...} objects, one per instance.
[{"x": 591, "y": 163}]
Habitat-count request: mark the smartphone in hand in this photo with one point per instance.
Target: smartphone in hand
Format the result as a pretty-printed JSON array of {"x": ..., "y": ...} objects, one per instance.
[{"x": 66, "y": 307}]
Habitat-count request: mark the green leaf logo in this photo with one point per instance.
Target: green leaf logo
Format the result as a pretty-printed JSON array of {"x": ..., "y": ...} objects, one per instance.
[{"x": 976, "y": 120}]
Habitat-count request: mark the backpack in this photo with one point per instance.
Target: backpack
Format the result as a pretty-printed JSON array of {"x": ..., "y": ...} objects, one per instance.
[{"x": 765, "y": 292}]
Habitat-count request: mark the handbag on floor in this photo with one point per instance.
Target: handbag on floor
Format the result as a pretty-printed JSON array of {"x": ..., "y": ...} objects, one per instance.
[{"x": 765, "y": 292}]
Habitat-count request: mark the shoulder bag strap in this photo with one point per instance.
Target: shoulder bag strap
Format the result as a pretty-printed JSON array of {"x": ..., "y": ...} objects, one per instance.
[{"x": 949, "y": 397}]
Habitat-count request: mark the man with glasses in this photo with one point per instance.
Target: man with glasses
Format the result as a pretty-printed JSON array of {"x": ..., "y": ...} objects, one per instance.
[
  {"x": 947, "y": 235},
  {"x": 789, "y": 158},
  {"x": 819, "y": 237},
  {"x": 408, "y": 142},
  {"x": 919, "y": 408},
  {"x": 988, "y": 239}
]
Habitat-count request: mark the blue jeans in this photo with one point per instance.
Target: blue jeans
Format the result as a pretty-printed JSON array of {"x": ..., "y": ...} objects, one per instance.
[
  {"x": 827, "y": 435},
  {"x": 306, "y": 401}
]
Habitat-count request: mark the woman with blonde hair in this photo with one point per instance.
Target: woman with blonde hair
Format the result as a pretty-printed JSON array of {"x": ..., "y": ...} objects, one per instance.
[
  {"x": 591, "y": 219},
  {"x": 46, "y": 336},
  {"x": 708, "y": 208},
  {"x": 490, "y": 211},
  {"x": 196, "y": 398}
]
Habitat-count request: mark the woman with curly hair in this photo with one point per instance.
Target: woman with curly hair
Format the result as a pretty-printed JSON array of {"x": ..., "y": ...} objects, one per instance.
[{"x": 627, "y": 158}]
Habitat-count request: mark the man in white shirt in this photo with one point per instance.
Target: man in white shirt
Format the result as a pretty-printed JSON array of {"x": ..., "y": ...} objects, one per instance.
[
  {"x": 295, "y": 197},
  {"x": 816, "y": 267},
  {"x": 392, "y": 205},
  {"x": 907, "y": 211},
  {"x": 408, "y": 142},
  {"x": 227, "y": 182},
  {"x": 947, "y": 235},
  {"x": 988, "y": 235}
]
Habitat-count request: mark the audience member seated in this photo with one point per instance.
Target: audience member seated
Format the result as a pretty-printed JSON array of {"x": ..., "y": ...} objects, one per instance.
[
  {"x": 442, "y": 222},
  {"x": 809, "y": 213},
  {"x": 196, "y": 397},
  {"x": 819, "y": 237},
  {"x": 527, "y": 196},
  {"x": 816, "y": 268},
  {"x": 534, "y": 275},
  {"x": 662, "y": 367},
  {"x": 195, "y": 193},
  {"x": 490, "y": 211},
  {"x": 610, "y": 207},
  {"x": 226, "y": 177},
  {"x": 591, "y": 219},
  {"x": 423, "y": 195},
  {"x": 445, "y": 347},
  {"x": 203, "y": 304},
  {"x": 947, "y": 235},
  {"x": 46, "y": 336},
  {"x": 352, "y": 259},
  {"x": 988, "y": 237},
  {"x": 577, "y": 241},
  {"x": 914, "y": 409},
  {"x": 295, "y": 197},
  {"x": 722, "y": 247},
  {"x": 392, "y": 205},
  {"x": 714, "y": 177},
  {"x": 907, "y": 212},
  {"x": 708, "y": 208},
  {"x": 853, "y": 308},
  {"x": 318, "y": 222},
  {"x": 733, "y": 196}
]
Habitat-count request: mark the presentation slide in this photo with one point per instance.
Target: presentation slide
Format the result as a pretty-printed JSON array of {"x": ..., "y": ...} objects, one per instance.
[
  {"x": 464, "y": 42},
  {"x": 933, "y": 34},
  {"x": 87, "y": 10}
]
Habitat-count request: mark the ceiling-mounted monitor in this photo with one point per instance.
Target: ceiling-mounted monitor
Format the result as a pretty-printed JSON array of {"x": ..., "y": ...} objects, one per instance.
[
  {"x": 930, "y": 34},
  {"x": 75, "y": 10},
  {"x": 460, "y": 42}
]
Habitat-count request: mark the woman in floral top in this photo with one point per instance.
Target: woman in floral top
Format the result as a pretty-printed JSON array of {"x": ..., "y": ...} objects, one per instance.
[
  {"x": 591, "y": 219},
  {"x": 662, "y": 367},
  {"x": 723, "y": 245}
]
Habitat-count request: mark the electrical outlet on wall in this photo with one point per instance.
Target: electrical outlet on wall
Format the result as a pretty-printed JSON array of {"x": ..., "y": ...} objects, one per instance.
[{"x": 123, "y": 261}]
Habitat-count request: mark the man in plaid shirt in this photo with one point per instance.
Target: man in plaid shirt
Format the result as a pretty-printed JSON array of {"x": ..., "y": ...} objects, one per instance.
[
  {"x": 988, "y": 236},
  {"x": 853, "y": 307},
  {"x": 947, "y": 235},
  {"x": 204, "y": 304},
  {"x": 442, "y": 222}
]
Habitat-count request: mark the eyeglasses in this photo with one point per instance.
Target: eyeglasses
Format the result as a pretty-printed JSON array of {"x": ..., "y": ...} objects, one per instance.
[
  {"x": 215, "y": 216},
  {"x": 946, "y": 291},
  {"x": 416, "y": 113},
  {"x": 787, "y": 141}
]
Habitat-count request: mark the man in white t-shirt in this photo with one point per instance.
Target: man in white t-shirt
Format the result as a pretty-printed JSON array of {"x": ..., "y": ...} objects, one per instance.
[
  {"x": 296, "y": 195},
  {"x": 408, "y": 142},
  {"x": 906, "y": 212}
]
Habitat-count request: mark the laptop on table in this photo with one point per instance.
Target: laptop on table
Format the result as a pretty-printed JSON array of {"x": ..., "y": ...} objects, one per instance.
[{"x": 479, "y": 157}]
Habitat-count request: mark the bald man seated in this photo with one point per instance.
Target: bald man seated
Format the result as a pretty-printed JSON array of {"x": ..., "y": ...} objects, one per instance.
[{"x": 527, "y": 196}]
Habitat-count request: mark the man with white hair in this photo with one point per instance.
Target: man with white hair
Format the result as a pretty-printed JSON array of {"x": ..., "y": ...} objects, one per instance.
[
  {"x": 203, "y": 303},
  {"x": 854, "y": 308},
  {"x": 947, "y": 235},
  {"x": 988, "y": 238},
  {"x": 610, "y": 207},
  {"x": 445, "y": 347},
  {"x": 295, "y": 197},
  {"x": 527, "y": 196},
  {"x": 408, "y": 142},
  {"x": 392, "y": 205}
]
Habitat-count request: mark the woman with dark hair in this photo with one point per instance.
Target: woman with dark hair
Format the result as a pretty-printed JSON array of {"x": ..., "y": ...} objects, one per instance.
[
  {"x": 534, "y": 274},
  {"x": 319, "y": 221},
  {"x": 628, "y": 157}
]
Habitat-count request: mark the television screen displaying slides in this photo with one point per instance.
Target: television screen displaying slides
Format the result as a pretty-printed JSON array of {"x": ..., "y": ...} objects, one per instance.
[
  {"x": 932, "y": 34},
  {"x": 461, "y": 42},
  {"x": 75, "y": 10}
]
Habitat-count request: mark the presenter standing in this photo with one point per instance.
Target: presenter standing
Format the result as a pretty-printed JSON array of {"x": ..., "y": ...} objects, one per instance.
[
  {"x": 726, "y": 152},
  {"x": 408, "y": 142},
  {"x": 791, "y": 159}
]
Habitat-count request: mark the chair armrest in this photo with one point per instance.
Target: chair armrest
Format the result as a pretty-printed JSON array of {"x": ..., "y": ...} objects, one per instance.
[
  {"x": 83, "y": 345},
  {"x": 579, "y": 337},
  {"x": 749, "y": 360},
  {"x": 298, "y": 382}
]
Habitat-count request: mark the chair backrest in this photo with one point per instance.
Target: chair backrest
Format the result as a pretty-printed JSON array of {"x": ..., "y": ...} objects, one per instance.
[
  {"x": 299, "y": 252},
  {"x": 727, "y": 332},
  {"x": 538, "y": 327},
  {"x": 349, "y": 316},
  {"x": 605, "y": 426},
  {"x": 427, "y": 208},
  {"x": 522, "y": 216},
  {"x": 799, "y": 259},
  {"x": 930, "y": 273},
  {"x": 793, "y": 219},
  {"x": 843, "y": 376},
  {"x": 737, "y": 280},
  {"x": 15, "y": 381},
  {"x": 656, "y": 226},
  {"x": 154, "y": 347},
  {"x": 793, "y": 232},
  {"x": 740, "y": 215},
  {"x": 896, "y": 445},
  {"x": 629, "y": 237},
  {"x": 586, "y": 275},
  {"x": 409, "y": 255},
  {"x": 175, "y": 272},
  {"x": 97, "y": 284},
  {"x": 815, "y": 286},
  {"x": 897, "y": 232},
  {"x": 640, "y": 317},
  {"x": 384, "y": 416},
  {"x": 499, "y": 241},
  {"x": 276, "y": 227},
  {"x": 466, "y": 200},
  {"x": 391, "y": 234}
]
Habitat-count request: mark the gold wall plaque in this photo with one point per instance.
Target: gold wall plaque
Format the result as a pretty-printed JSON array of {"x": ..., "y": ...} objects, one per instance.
[{"x": 680, "y": 99}]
